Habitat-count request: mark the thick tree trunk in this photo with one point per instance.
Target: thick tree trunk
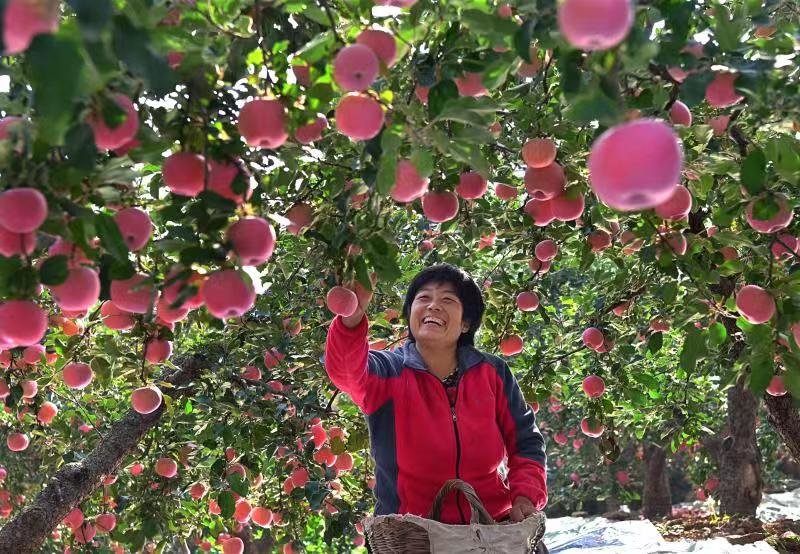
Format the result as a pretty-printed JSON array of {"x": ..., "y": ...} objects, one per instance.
[
  {"x": 740, "y": 460},
  {"x": 656, "y": 500},
  {"x": 788, "y": 465},
  {"x": 785, "y": 418},
  {"x": 75, "y": 482}
]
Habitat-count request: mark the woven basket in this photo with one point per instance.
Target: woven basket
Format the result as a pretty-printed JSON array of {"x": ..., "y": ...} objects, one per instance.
[{"x": 410, "y": 534}]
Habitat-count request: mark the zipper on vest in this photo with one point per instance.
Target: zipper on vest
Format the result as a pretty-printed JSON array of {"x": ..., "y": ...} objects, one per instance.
[{"x": 458, "y": 447}]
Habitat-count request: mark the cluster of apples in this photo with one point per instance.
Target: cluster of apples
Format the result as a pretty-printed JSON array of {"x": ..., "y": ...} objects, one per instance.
[
  {"x": 359, "y": 116},
  {"x": 85, "y": 530},
  {"x": 545, "y": 183}
]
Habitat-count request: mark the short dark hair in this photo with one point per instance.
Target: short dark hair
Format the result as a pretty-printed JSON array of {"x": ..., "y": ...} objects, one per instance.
[{"x": 467, "y": 290}]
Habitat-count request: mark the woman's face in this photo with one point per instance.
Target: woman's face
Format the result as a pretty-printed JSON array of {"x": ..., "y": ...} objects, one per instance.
[{"x": 436, "y": 315}]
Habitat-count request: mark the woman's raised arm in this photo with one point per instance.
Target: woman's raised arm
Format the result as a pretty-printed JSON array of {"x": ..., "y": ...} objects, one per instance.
[{"x": 365, "y": 376}]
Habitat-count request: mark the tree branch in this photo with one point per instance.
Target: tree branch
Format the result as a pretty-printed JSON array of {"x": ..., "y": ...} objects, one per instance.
[{"x": 75, "y": 482}]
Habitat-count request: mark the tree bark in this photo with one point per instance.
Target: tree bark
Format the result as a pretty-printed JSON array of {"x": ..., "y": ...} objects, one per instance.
[
  {"x": 75, "y": 482},
  {"x": 785, "y": 418},
  {"x": 740, "y": 460},
  {"x": 657, "y": 499},
  {"x": 713, "y": 446}
]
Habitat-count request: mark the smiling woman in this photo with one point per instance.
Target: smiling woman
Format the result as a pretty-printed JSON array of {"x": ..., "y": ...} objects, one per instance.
[{"x": 438, "y": 408}]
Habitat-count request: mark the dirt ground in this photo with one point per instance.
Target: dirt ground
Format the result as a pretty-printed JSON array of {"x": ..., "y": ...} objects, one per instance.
[{"x": 783, "y": 535}]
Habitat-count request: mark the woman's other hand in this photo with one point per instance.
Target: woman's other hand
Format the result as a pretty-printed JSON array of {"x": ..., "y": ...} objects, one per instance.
[{"x": 521, "y": 508}]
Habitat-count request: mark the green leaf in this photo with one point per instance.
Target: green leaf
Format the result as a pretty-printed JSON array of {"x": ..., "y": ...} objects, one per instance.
[
  {"x": 489, "y": 25},
  {"x": 791, "y": 380},
  {"x": 134, "y": 539},
  {"x": 383, "y": 257},
  {"x": 188, "y": 408},
  {"x": 471, "y": 111},
  {"x": 762, "y": 368},
  {"x": 636, "y": 397},
  {"x": 119, "y": 270},
  {"x": 54, "y": 270},
  {"x": 386, "y": 173},
  {"x": 669, "y": 291},
  {"x": 464, "y": 152},
  {"x": 151, "y": 526},
  {"x": 133, "y": 47},
  {"x": 316, "y": 14},
  {"x": 227, "y": 504},
  {"x": 592, "y": 105},
  {"x": 219, "y": 466},
  {"x": 523, "y": 38},
  {"x": 784, "y": 153},
  {"x": 80, "y": 148},
  {"x": 726, "y": 29},
  {"x": 338, "y": 446},
  {"x": 315, "y": 494},
  {"x": 390, "y": 142},
  {"x": 655, "y": 342},
  {"x": 496, "y": 73},
  {"x": 101, "y": 367},
  {"x": 693, "y": 88},
  {"x": 93, "y": 16},
  {"x": 198, "y": 254},
  {"x": 238, "y": 484},
  {"x": 110, "y": 237},
  {"x": 362, "y": 272},
  {"x": 694, "y": 348},
  {"x": 358, "y": 440},
  {"x": 754, "y": 171},
  {"x": 439, "y": 95},
  {"x": 112, "y": 113},
  {"x": 320, "y": 96},
  {"x": 56, "y": 66},
  {"x": 317, "y": 48},
  {"x": 765, "y": 208},
  {"x": 423, "y": 161},
  {"x": 646, "y": 379},
  {"x": 727, "y": 238},
  {"x": 473, "y": 135},
  {"x": 762, "y": 354},
  {"x": 569, "y": 67}
]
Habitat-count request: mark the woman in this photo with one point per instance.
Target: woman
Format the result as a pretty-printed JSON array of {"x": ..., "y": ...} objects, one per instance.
[{"x": 437, "y": 408}]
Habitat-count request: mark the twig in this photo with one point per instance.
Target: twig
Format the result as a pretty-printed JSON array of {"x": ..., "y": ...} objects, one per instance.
[
  {"x": 503, "y": 257},
  {"x": 740, "y": 140},
  {"x": 333, "y": 21},
  {"x": 787, "y": 247},
  {"x": 217, "y": 27},
  {"x": 683, "y": 266},
  {"x": 628, "y": 298},
  {"x": 661, "y": 71},
  {"x": 330, "y": 402},
  {"x": 769, "y": 274},
  {"x": 562, "y": 356}
]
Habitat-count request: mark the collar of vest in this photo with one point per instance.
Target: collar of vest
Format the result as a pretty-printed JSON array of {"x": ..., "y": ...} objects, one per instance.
[{"x": 467, "y": 356}]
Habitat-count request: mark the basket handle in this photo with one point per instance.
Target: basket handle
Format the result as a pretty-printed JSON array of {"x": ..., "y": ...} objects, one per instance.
[{"x": 479, "y": 513}]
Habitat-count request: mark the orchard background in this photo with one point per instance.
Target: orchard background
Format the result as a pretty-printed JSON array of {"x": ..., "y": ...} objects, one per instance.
[{"x": 216, "y": 167}]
